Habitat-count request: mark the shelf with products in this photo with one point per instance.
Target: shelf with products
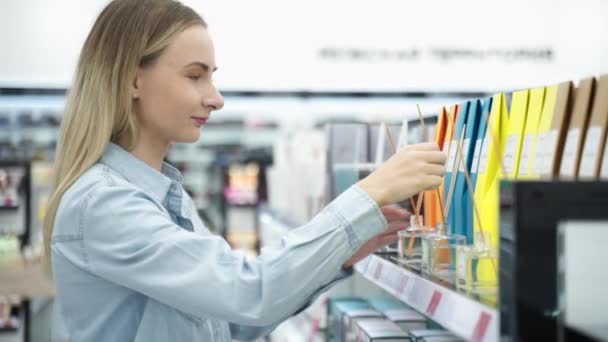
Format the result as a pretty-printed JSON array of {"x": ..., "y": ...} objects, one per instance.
[
  {"x": 350, "y": 150},
  {"x": 541, "y": 134},
  {"x": 10, "y": 320},
  {"x": 437, "y": 298},
  {"x": 467, "y": 314},
  {"x": 299, "y": 328},
  {"x": 25, "y": 278},
  {"x": 22, "y": 275},
  {"x": 545, "y": 133}
]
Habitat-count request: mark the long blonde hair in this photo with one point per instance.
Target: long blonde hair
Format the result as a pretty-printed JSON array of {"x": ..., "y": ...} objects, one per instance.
[{"x": 127, "y": 34}]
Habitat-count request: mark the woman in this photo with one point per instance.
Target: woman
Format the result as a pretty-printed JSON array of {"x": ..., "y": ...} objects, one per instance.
[{"x": 131, "y": 259}]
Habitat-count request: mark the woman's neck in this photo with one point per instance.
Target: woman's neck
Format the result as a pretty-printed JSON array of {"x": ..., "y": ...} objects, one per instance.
[{"x": 150, "y": 150}]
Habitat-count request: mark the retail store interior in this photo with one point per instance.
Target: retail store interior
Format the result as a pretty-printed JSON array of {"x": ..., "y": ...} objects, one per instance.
[{"x": 318, "y": 94}]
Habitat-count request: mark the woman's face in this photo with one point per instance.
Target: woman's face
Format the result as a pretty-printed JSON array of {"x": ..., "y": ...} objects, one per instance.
[{"x": 174, "y": 97}]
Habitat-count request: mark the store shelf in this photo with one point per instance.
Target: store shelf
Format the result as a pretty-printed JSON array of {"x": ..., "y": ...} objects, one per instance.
[
  {"x": 11, "y": 336},
  {"x": 297, "y": 328},
  {"x": 456, "y": 312},
  {"x": 10, "y": 324},
  {"x": 17, "y": 278},
  {"x": 465, "y": 316}
]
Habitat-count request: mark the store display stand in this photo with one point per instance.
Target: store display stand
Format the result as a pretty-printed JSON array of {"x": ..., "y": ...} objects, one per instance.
[
  {"x": 13, "y": 273},
  {"x": 531, "y": 284},
  {"x": 462, "y": 314},
  {"x": 455, "y": 311}
]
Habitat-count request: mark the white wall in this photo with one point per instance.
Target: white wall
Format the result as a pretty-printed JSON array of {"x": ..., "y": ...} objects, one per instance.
[{"x": 274, "y": 44}]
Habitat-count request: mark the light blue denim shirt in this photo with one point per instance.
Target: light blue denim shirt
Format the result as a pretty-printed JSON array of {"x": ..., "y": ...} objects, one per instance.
[{"x": 132, "y": 260}]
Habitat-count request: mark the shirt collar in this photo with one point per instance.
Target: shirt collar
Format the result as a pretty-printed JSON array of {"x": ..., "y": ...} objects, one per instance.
[{"x": 139, "y": 173}]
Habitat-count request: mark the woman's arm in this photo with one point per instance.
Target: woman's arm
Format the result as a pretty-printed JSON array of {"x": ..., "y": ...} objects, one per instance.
[
  {"x": 248, "y": 333},
  {"x": 130, "y": 241}
]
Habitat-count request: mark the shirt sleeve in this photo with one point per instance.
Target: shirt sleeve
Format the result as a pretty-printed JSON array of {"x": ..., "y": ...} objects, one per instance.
[
  {"x": 248, "y": 333},
  {"x": 131, "y": 241}
]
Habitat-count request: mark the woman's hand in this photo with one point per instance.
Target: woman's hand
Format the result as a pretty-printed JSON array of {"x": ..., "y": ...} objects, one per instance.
[
  {"x": 397, "y": 218},
  {"x": 411, "y": 170}
]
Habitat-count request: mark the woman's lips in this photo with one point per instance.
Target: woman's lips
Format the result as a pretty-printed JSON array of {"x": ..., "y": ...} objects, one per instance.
[{"x": 199, "y": 121}]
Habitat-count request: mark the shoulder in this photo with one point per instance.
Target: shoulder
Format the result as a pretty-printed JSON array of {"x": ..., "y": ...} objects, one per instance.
[{"x": 99, "y": 194}]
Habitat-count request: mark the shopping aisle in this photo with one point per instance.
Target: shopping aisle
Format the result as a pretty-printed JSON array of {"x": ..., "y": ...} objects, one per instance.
[{"x": 309, "y": 99}]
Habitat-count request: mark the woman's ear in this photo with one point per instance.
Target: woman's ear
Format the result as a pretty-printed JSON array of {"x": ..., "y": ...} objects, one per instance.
[{"x": 135, "y": 87}]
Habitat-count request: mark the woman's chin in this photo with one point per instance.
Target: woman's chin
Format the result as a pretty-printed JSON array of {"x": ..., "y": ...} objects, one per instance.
[{"x": 189, "y": 137}]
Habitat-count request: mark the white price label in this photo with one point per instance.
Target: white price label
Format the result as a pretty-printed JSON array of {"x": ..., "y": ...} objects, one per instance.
[
  {"x": 570, "y": 149},
  {"x": 476, "y": 155},
  {"x": 371, "y": 267},
  {"x": 510, "y": 153},
  {"x": 590, "y": 151},
  {"x": 604, "y": 170},
  {"x": 485, "y": 155},
  {"x": 378, "y": 271},
  {"x": 526, "y": 152},
  {"x": 549, "y": 155},
  {"x": 465, "y": 151},
  {"x": 539, "y": 154},
  {"x": 394, "y": 280},
  {"x": 402, "y": 285},
  {"x": 452, "y": 156}
]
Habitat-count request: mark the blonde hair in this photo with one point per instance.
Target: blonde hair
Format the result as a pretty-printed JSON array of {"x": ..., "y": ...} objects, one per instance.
[{"x": 128, "y": 34}]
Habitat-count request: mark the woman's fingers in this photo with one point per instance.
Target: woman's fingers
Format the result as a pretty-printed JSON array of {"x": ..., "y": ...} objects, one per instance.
[
  {"x": 394, "y": 212},
  {"x": 411, "y": 170},
  {"x": 395, "y": 227},
  {"x": 387, "y": 239}
]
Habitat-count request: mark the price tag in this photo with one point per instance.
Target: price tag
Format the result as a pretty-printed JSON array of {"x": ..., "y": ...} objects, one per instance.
[
  {"x": 465, "y": 152},
  {"x": 540, "y": 153},
  {"x": 378, "y": 271},
  {"x": 526, "y": 151},
  {"x": 549, "y": 155},
  {"x": 485, "y": 155},
  {"x": 510, "y": 153},
  {"x": 402, "y": 285},
  {"x": 434, "y": 303},
  {"x": 452, "y": 156},
  {"x": 371, "y": 267},
  {"x": 476, "y": 155},
  {"x": 570, "y": 151},
  {"x": 395, "y": 280},
  {"x": 604, "y": 170},
  {"x": 590, "y": 151},
  {"x": 481, "y": 327}
]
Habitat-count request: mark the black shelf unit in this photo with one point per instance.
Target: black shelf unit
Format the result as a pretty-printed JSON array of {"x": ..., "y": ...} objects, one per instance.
[
  {"x": 530, "y": 214},
  {"x": 24, "y": 238}
]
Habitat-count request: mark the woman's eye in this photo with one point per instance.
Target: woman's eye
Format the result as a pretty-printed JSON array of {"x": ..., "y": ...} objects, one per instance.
[{"x": 194, "y": 77}]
